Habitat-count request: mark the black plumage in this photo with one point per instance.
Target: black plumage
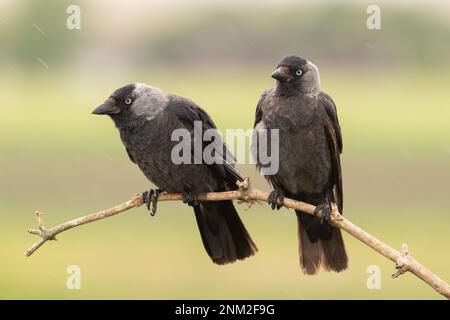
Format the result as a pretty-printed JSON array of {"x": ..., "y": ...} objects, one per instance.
[
  {"x": 309, "y": 157},
  {"x": 146, "y": 118}
]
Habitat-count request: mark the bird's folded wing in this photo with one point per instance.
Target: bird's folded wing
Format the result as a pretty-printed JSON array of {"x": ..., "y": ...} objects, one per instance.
[
  {"x": 187, "y": 112},
  {"x": 130, "y": 156},
  {"x": 259, "y": 112},
  {"x": 334, "y": 139}
]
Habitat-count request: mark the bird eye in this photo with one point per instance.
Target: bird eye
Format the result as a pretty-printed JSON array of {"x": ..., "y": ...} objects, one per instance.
[
  {"x": 299, "y": 72},
  {"x": 128, "y": 101}
]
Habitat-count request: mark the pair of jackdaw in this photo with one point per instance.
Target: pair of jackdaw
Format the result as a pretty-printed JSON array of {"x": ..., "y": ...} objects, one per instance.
[{"x": 310, "y": 144}]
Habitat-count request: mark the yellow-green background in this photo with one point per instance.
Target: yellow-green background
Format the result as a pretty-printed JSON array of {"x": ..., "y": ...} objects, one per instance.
[{"x": 58, "y": 158}]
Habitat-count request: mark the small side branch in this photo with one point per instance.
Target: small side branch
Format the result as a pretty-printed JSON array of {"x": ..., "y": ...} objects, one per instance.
[{"x": 403, "y": 260}]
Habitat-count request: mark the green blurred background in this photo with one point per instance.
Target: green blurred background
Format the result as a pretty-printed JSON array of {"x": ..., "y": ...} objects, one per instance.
[{"x": 391, "y": 87}]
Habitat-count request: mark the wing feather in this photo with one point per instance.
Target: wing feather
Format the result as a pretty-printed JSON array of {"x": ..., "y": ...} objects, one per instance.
[
  {"x": 187, "y": 112},
  {"x": 334, "y": 139}
]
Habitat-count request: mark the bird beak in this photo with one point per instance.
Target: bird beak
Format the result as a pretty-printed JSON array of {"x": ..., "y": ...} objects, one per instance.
[
  {"x": 282, "y": 74},
  {"x": 108, "y": 107}
]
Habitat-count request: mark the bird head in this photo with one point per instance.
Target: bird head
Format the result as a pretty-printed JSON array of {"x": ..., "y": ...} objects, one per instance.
[
  {"x": 132, "y": 101},
  {"x": 119, "y": 101},
  {"x": 297, "y": 73}
]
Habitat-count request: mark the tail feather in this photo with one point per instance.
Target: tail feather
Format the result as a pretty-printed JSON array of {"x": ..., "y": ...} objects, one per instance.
[
  {"x": 223, "y": 234},
  {"x": 319, "y": 245},
  {"x": 334, "y": 251}
]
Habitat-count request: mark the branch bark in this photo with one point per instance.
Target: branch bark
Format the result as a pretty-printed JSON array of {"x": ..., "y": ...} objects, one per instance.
[{"x": 403, "y": 260}]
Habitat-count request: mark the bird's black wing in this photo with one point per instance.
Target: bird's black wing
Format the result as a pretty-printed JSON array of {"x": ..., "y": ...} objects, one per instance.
[
  {"x": 130, "y": 156},
  {"x": 187, "y": 112},
  {"x": 331, "y": 111},
  {"x": 334, "y": 138},
  {"x": 259, "y": 113},
  {"x": 273, "y": 179}
]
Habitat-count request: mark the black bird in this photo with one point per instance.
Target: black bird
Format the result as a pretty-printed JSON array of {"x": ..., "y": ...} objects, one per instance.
[
  {"x": 310, "y": 144},
  {"x": 146, "y": 117}
]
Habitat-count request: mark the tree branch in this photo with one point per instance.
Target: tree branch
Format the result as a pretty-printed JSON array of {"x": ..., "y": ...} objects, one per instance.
[{"x": 403, "y": 260}]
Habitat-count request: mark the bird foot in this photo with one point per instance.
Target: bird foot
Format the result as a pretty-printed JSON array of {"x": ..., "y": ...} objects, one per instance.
[
  {"x": 151, "y": 199},
  {"x": 276, "y": 199},
  {"x": 325, "y": 208},
  {"x": 190, "y": 199}
]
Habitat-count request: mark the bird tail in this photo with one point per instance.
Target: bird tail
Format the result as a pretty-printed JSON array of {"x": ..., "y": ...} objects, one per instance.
[
  {"x": 223, "y": 234},
  {"x": 319, "y": 245}
]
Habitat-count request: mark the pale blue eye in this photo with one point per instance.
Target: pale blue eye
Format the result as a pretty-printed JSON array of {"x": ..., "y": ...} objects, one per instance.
[
  {"x": 128, "y": 101},
  {"x": 299, "y": 72}
]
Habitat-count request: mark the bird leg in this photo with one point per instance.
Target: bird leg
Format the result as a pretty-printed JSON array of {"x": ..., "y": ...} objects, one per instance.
[
  {"x": 276, "y": 199},
  {"x": 151, "y": 199},
  {"x": 325, "y": 208},
  {"x": 190, "y": 199}
]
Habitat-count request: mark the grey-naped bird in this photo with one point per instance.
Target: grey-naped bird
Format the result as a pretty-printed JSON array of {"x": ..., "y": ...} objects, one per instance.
[
  {"x": 309, "y": 158},
  {"x": 146, "y": 117}
]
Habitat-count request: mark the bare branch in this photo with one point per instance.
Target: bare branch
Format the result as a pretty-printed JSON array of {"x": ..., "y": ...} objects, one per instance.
[{"x": 403, "y": 260}]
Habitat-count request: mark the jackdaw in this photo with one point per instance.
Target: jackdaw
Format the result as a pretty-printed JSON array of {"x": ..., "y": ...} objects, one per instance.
[
  {"x": 146, "y": 117},
  {"x": 310, "y": 144}
]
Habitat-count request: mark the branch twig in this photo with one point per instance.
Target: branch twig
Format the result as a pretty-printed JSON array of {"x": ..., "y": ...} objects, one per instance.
[{"x": 403, "y": 260}]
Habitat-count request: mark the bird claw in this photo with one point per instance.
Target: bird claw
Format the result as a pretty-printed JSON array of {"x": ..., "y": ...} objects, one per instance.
[
  {"x": 151, "y": 199},
  {"x": 325, "y": 208},
  {"x": 276, "y": 199},
  {"x": 190, "y": 199}
]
